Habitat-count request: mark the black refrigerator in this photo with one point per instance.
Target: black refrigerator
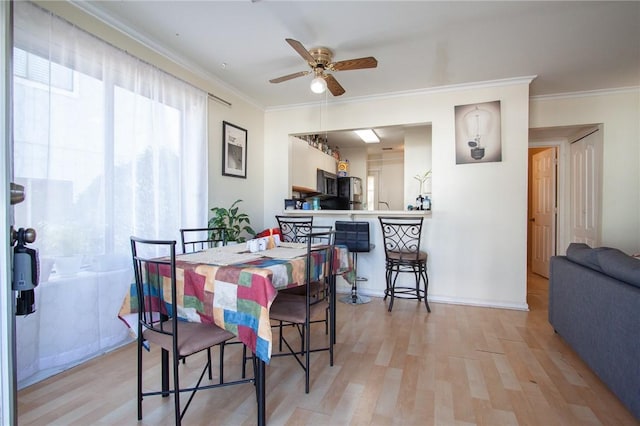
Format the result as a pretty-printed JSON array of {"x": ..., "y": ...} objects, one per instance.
[{"x": 350, "y": 193}]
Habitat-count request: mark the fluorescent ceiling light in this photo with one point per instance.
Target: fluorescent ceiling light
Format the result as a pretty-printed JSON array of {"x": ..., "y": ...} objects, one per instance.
[{"x": 368, "y": 136}]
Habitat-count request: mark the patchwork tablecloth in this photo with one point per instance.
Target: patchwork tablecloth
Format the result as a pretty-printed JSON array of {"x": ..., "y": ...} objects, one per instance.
[{"x": 236, "y": 297}]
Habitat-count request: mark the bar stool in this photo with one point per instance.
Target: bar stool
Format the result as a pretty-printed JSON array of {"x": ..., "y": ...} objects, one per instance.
[
  {"x": 354, "y": 235},
  {"x": 401, "y": 237}
]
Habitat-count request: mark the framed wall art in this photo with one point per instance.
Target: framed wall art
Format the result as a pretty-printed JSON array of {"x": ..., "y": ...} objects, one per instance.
[
  {"x": 234, "y": 150},
  {"x": 478, "y": 135}
]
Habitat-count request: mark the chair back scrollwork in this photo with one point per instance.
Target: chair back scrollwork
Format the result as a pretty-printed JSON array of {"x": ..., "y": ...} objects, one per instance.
[
  {"x": 294, "y": 228},
  {"x": 401, "y": 237}
]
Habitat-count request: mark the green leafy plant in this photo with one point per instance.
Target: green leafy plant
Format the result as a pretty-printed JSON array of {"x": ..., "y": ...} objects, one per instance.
[{"x": 234, "y": 222}]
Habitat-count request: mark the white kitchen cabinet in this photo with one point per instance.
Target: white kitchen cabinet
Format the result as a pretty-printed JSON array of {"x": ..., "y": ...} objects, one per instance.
[{"x": 307, "y": 160}]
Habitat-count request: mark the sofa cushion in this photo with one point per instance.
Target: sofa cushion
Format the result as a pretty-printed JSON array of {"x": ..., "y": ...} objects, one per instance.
[
  {"x": 619, "y": 265},
  {"x": 584, "y": 255}
]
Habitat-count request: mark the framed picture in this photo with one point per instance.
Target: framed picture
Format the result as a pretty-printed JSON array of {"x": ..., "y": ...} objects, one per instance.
[
  {"x": 234, "y": 150},
  {"x": 478, "y": 136}
]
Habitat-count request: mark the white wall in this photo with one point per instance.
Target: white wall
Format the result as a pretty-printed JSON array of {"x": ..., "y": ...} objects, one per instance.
[
  {"x": 224, "y": 190},
  {"x": 619, "y": 113},
  {"x": 476, "y": 238}
]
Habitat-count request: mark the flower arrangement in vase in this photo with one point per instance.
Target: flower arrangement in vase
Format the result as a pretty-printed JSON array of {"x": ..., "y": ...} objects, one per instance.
[{"x": 423, "y": 201}]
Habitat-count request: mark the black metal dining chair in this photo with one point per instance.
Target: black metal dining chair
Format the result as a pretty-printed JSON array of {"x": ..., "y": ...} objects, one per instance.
[
  {"x": 154, "y": 264},
  {"x": 299, "y": 310},
  {"x": 293, "y": 228},
  {"x": 196, "y": 239},
  {"x": 301, "y": 290},
  {"x": 401, "y": 238}
]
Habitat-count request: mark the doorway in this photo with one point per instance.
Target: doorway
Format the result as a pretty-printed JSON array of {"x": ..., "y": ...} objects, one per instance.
[
  {"x": 542, "y": 208},
  {"x": 564, "y": 191}
]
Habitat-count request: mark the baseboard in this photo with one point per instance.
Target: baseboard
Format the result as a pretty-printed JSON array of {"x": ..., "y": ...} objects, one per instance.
[{"x": 455, "y": 301}]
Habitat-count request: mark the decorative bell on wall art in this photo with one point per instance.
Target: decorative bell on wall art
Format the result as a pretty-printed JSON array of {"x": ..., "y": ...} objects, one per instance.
[
  {"x": 477, "y": 121},
  {"x": 478, "y": 133}
]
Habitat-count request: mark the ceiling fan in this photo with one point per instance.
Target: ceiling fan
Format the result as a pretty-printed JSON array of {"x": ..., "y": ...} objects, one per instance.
[{"x": 319, "y": 59}]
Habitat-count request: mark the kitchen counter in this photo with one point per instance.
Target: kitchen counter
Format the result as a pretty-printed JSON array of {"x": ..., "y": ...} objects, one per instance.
[{"x": 351, "y": 213}]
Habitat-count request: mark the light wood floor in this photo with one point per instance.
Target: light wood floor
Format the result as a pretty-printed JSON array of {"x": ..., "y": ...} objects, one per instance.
[{"x": 459, "y": 365}]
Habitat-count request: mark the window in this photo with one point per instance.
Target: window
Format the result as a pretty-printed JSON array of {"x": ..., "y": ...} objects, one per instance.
[
  {"x": 107, "y": 147},
  {"x": 36, "y": 69},
  {"x": 104, "y": 143}
]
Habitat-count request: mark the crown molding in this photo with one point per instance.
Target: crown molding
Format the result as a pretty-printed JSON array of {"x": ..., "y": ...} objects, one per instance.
[
  {"x": 586, "y": 93},
  {"x": 417, "y": 92}
]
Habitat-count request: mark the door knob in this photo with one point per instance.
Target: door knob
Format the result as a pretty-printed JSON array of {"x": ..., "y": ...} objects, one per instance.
[{"x": 27, "y": 235}]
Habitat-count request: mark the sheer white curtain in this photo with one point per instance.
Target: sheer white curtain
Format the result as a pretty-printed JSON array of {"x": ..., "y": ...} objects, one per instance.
[{"x": 107, "y": 146}]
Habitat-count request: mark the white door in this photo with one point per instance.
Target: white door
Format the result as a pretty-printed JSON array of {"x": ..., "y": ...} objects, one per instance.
[
  {"x": 544, "y": 210},
  {"x": 586, "y": 175},
  {"x": 7, "y": 377}
]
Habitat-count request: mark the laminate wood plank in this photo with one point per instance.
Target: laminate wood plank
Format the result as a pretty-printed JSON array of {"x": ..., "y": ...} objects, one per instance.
[
  {"x": 476, "y": 379},
  {"x": 543, "y": 413},
  {"x": 426, "y": 372},
  {"x": 563, "y": 377},
  {"x": 461, "y": 391},
  {"x": 371, "y": 392},
  {"x": 385, "y": 351},
  {"x": 443, "y": 410},
  {"x": 605, "y": 405},
  {"x": 347, "y": 404},
  {"x": 386, "y": 406},
  {"x": 508, "y": 378},
  {"x": 408, "y": 396},
  {"x": 584, "y": 415},
  {"x": 522, "y": 408},
  {"x": 486, "y": 415},
  {"x": 496, "y": 393},
  {"x": 302, "y": 417}
]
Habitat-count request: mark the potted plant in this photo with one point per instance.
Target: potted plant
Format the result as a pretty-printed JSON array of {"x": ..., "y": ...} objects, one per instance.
[{"x": 233, "y": 221}]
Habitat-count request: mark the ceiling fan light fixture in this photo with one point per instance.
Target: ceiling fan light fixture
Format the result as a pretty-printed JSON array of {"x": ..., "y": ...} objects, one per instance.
[
  {"x": 368, "y": 136},
  {"x": 318, "y": 85},
  {"x": 320, "y": 60}
]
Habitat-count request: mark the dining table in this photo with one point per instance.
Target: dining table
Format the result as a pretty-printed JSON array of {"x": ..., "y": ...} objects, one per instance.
[{"x": 233, "y": 288}]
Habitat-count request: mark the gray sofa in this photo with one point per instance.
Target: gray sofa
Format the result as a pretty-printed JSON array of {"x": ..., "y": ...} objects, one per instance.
[{"x": 594, "y": 305}]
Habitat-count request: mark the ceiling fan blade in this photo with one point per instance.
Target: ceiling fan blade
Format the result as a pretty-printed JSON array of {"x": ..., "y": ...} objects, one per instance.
[
  {"x": 289, "y": 77},
  {"x": 298, "y": 47},
  {"x": 333, "y": 85},
  {"x": 354, "y": 64}
]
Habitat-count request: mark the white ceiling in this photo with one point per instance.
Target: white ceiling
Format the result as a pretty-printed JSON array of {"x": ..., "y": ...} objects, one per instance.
[{"x": 571, "y": 46}]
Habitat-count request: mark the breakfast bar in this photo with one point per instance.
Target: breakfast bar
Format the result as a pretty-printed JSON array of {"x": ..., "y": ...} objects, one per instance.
[{"x": 371, "y": 265}]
